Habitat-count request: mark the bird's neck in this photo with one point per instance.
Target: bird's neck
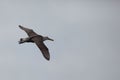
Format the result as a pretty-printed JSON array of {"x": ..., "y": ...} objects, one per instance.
[{"x": 26, "y": 39}]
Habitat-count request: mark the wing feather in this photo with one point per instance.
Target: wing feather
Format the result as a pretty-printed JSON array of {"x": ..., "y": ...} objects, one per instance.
[
  {"x": 29, "y": 32},
  {"x": 42, "y": 47}
]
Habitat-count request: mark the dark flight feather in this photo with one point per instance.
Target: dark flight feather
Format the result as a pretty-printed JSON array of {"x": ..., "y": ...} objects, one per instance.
[
  {"x": 42, "y": 47},
  {"x": 29, "y": 32}
]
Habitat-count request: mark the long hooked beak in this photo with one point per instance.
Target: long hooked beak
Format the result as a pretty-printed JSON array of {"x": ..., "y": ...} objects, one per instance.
[{"x": 20, "y": 42}]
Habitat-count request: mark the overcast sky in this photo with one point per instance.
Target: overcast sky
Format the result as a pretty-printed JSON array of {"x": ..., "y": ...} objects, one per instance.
[{"x": 86, "y": 34}]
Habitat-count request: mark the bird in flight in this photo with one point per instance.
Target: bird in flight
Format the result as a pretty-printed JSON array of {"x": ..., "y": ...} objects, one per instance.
[{"x": 37, "y": 39}]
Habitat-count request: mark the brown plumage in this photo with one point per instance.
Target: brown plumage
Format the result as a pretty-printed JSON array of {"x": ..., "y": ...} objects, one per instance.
[{"x": 37, "y": 39}]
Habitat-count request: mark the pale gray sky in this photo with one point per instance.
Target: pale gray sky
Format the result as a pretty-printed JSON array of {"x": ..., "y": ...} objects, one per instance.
[{"x": 86, "y": 34}]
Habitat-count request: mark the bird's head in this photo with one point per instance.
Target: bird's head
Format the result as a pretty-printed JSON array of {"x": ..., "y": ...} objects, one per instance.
[
  {"x": 22, "y": 40},
  {"x": 47, "y": 38}
]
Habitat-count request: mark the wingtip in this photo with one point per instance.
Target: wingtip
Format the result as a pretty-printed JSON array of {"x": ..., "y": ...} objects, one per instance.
[
  {"x": 48, "y": 59},
  {"x": 20, "y": 26}
]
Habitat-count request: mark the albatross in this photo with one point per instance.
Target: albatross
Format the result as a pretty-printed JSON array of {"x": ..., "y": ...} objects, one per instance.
[{"x": 33, "y": 37}]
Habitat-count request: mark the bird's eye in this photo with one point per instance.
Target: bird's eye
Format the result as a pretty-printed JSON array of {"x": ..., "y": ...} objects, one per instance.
[{"x": 21, "y": 39}]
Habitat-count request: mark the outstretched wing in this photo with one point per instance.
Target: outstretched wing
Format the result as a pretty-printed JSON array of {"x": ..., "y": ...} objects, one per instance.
[
  {"x": 42, "y": 47},
  {"x": 29, "y": 32}
]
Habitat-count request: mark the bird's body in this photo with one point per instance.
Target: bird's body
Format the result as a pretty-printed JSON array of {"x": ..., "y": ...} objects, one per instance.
[{"x": 37, "y": 39}]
